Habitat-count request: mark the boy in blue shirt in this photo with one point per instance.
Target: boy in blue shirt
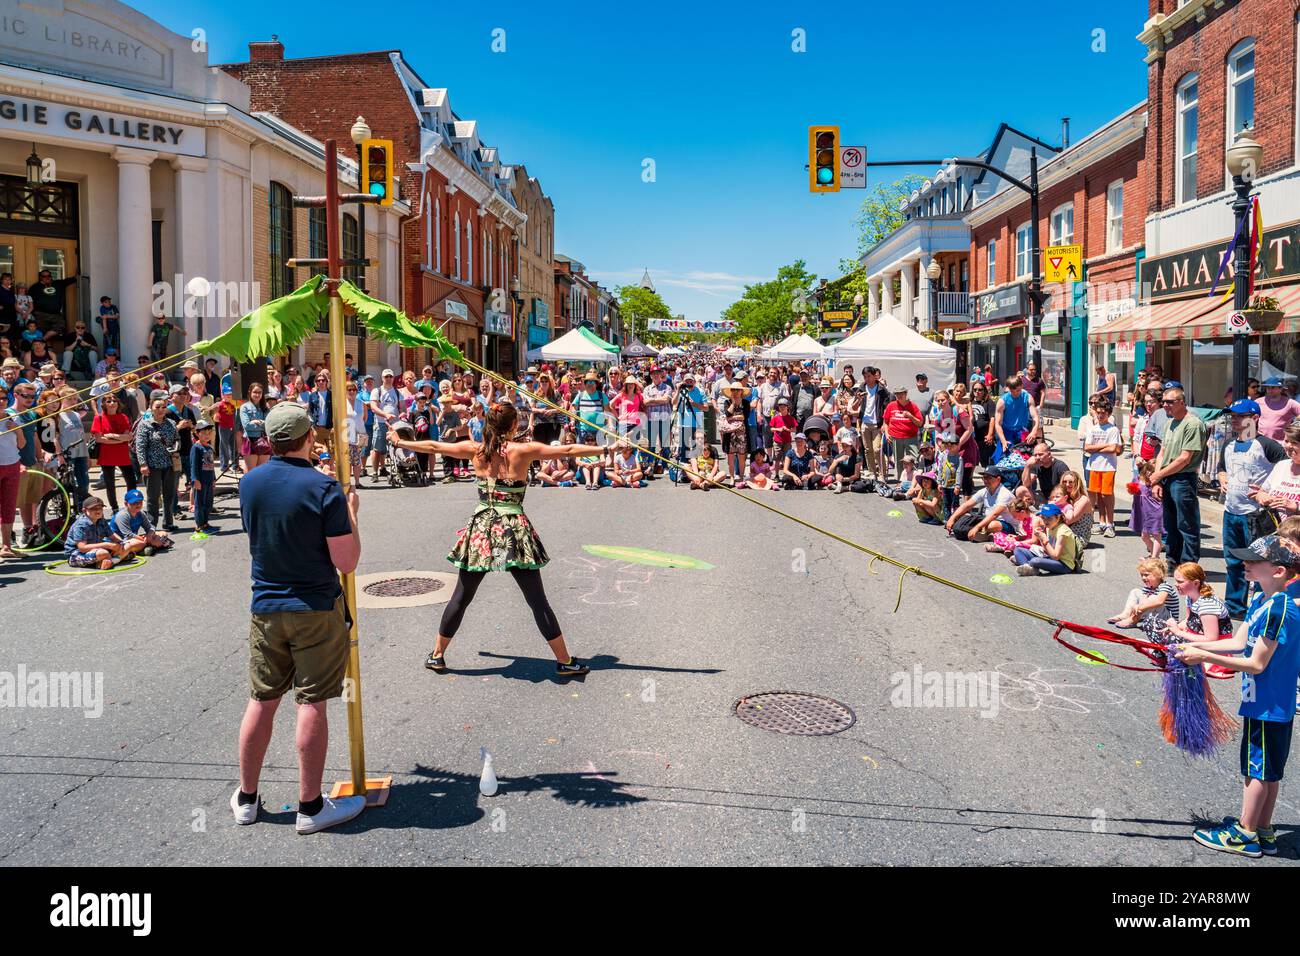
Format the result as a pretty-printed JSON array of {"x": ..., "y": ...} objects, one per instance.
[
  {"x": 1271, "y": 636},
  {"x": 110, "y": 322},
  {"x": 91, "y": 541},
  {"x": 133, "y": 523},
  {"x": 203, "y": 475}
]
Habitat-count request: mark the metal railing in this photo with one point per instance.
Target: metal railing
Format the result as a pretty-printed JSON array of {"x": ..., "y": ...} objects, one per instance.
[{"x": 954, "y": 303}]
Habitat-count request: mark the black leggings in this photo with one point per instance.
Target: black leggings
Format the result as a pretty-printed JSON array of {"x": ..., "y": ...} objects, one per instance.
[
  {"x": 110, "y": 483},
  {"x": 529, "y": 581}
]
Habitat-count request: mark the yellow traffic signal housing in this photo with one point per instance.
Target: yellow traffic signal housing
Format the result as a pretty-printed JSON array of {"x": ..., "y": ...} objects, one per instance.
[
  {"x": 824, "y": 159},
  {"x": 377, "y": 169}
]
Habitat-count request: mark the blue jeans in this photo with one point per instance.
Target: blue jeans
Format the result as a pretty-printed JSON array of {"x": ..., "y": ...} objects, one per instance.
[
  {"x": 1182, "y": 513},
  {"x": 1236, "y": 534},
  {"x": 81, "y": 468},
  {"x": 1050, "y": 565}
]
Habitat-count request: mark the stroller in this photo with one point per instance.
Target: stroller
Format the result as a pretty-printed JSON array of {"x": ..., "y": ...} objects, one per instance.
[{"x": 403, "y": 466}]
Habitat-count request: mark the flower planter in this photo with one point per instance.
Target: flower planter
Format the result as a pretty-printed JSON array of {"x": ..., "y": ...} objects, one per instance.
[{"x": 1264, "y": 320}]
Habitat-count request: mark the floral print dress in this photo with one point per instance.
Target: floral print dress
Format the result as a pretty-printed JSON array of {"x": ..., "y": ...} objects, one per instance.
[{"x": 499, "y": 535}]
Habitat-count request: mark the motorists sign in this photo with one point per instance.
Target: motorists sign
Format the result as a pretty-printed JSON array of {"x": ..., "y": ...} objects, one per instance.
[
  {"x": 1237, "y": 324},
  {"x": 853, "y": 167},
  {"x": 947, "y": 335},
  {"x": 1063, "y": 262},
  {"x": 1035, "y": 343}
]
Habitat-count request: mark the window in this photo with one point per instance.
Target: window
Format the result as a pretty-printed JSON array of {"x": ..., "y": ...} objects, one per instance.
[
  {"x": 317, "y": 241},
  {"x": 965, "y": 275},
  {"x": 1185, "y": 158},
  {"x": 281, "y": 240},
  {"x": 437, "y": 235},
  {"x": 992, "y": 278},
  {"x": 1115, "y": 215},
  {"x": 1241, "y": 89},
  {"x": 351, "y": 243},
  {"x": 456, "y": 248},
  {"x": 1062, "y": 225},
  {"x": 1024, "y": 252},
  {"x": 469, "y": 252},
  {"x": 487, "y": 259}
]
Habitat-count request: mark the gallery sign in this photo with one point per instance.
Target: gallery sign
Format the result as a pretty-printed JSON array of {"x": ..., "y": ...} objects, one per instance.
[
  {"x": 36, "y": 120},
  {"x": 1194, "y": 270}
]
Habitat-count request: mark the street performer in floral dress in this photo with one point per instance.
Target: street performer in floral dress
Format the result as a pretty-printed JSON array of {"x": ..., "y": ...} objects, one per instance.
[{"x": 499, "y": 536}]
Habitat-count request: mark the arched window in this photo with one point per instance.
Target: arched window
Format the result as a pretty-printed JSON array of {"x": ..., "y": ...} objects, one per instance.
[
  {"x": 456, "y": 249},
  {"x": 281, "y": 240},
  {"x": 469, "y": 252},
  {"x": 1186, "y": 140},
  {"x": 437, "y": 236}
]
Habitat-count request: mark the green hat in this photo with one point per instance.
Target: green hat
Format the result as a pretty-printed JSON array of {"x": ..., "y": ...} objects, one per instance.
[{"x": 286, "y": 422}]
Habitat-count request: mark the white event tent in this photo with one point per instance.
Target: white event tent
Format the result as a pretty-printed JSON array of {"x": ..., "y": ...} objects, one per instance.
[
  {"x": 899, "y": 353},
  {"x": 795, "y": 348},
  {"x": 579, "y": 345}
]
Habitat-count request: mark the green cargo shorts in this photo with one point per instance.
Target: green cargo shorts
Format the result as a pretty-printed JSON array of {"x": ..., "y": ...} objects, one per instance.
[{"x": 306, "y": 650}]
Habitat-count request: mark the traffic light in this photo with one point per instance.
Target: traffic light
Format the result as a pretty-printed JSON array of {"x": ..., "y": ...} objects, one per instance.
[
  {"x": 824, "y": 159},
  {"x": 377, "y": 169}
]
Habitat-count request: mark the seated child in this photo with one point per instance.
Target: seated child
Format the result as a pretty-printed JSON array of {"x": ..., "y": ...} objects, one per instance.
[
  {"x": 1207, "y": 616},
  {"x": 845, "y": 469},
  {"x": 557, "y": 472},
  {"x": 1022, "y": 513},
  {"x": 92, "y": 542},
  {"x": 706, "y": 468},
  {"x": 758, "y": 474},
  {"x": 1151, "y": 605},
  {"x": 592, "y": 466},
  {"x": 927, "y": 499},
  {"x": 627, "y": 471},
  {"x": 822, "y": 465},
  {"x": 927, "y": 460}
]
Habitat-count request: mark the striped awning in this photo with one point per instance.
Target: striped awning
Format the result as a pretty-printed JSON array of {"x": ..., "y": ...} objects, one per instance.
[{"x": 1199, "y": 318}]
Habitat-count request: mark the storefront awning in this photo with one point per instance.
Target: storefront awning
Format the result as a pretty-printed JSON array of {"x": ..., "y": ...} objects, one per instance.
[
  {"x": 980, "y": 331},
  {"x": 1199, "y": 318},
  {"x": 1154, "y": 323}
]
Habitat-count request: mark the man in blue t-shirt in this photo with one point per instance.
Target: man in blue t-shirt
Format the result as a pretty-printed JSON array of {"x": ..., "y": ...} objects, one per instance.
[
  {"x": 1016, "y": 420},
  {"x": 1269, "y": 669},
  {"x": 302, "y": 532}
]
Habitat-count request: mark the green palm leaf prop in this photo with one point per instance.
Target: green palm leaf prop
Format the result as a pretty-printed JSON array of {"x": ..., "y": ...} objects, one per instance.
[
  {"x": 393, "y": 326},
  {"x": 272, "y": 328}
]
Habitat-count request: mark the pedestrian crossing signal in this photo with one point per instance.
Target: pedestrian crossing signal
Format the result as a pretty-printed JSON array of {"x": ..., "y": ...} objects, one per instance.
[
  {"x": 824, "y": 159},
  {"x": 377, "y": 169}
]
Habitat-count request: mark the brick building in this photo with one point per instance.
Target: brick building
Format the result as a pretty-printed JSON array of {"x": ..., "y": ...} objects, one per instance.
[
  {"x": 1215, "y": 67},
  {"x": 1090, "y": 194},
  {"x": 457, "y": 247},
  {"x": 536, "y": 260}
]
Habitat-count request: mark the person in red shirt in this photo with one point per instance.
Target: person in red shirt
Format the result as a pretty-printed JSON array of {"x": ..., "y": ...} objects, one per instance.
[
  {"x": 112, "y": 431},
  {"x": 784, "y": 425},
  {"x": 903, "y": 425}
]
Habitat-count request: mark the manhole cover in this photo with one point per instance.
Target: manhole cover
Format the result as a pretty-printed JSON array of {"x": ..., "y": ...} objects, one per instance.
[
  {"x": 790, "y": 712},
  {"x": 403, "y": 587}
]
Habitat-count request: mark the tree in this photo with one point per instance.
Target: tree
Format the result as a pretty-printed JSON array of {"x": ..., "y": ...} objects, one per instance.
[
  {"x": 879, "y": 215},
  {"x": 639, "y": 304},
  {"x": 766, "y": 307}
]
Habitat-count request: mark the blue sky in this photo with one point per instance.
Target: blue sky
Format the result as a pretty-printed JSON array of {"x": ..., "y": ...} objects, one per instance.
[{"x": 714, "y": 94}]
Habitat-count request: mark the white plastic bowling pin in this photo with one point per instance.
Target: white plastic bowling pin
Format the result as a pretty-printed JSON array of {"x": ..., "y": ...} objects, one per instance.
[{"x": 487, "y": 781}]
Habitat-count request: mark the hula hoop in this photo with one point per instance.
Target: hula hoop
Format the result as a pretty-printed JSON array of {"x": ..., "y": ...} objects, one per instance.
[
  {"x": 70, "y": 572},
  {"x": 67, "y": 512}
]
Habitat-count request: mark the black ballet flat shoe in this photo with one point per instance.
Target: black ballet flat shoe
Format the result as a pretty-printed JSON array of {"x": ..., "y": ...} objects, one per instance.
[{"x": 438, "y": 664}]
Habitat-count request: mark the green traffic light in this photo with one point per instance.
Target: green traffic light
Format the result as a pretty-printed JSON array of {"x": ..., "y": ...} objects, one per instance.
[
  {"x": 825, "y": 176},
  {"x": 376, "y": 189}
]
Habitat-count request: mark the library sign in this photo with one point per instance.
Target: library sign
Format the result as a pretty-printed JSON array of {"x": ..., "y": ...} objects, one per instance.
[
  {"x": 1194, "y": 270},
  {"x": 35, "y": 119}
]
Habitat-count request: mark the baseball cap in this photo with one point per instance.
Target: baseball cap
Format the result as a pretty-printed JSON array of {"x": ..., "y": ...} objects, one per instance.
[
  {"x": 134, "y": 496},
  {"x": 1270, "y": 548},
  {"x": 1273, "y": 381},
  {"x": 202, "y": 425},
  {"x": 991, "y": 473},
  {"x": 176, "y": 389},
  {"x": 922, "y": 375},
  {"x": 1050, "y": 510},
  {"x": 1244, "y": 406},
  {"x": 110, "y": 351},
  {"x": 388, "y": 372},
  {"x": 900, "y": 389},
  {"x": 287, "y": 422},
  {"x": 799, "y": 435}
]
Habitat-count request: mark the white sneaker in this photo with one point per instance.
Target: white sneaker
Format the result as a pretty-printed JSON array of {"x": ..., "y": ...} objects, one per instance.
[
  {"x": 331, "y": 814},
  {"x": 244, "y": 813}
]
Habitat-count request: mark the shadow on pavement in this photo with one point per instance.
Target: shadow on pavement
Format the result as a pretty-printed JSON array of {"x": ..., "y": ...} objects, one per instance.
[{"x": 537, "y": 670}]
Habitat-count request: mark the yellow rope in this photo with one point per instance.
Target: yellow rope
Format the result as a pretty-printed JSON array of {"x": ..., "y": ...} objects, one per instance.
[{"x": 875, "y": 555}]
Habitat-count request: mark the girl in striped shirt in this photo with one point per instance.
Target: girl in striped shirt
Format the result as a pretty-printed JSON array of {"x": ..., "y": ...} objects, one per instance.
[
  {"x": 1151, "y": 605},
  {"x": 1207, "y": 616}
]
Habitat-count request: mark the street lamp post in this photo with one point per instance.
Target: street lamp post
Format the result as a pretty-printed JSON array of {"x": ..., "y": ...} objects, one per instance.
[
  {"x": 360, "y": 133},
  {"x": 1243, "y": 161}
]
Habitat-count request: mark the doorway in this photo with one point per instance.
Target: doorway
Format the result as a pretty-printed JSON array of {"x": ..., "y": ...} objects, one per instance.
[{"x": 27, "y": 256}]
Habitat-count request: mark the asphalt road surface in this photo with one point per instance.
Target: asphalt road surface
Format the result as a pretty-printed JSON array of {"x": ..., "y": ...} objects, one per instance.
[{"x": 644, "y": 762}]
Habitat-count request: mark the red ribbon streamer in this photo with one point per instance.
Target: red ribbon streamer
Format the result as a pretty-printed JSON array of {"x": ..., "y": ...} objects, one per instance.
[{"x": 1158, "y": 654}]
